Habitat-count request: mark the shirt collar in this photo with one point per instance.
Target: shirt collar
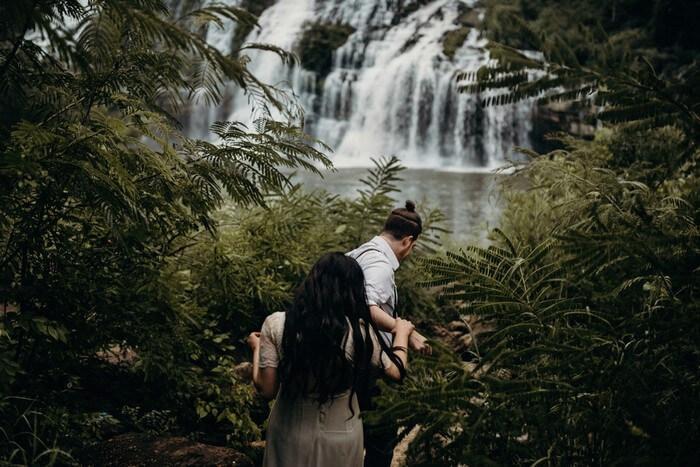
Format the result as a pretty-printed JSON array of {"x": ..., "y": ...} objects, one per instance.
[{"x": 385, "y": 248}]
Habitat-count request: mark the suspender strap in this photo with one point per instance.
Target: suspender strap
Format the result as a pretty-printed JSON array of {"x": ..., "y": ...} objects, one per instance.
[
  {"x": 369, "y": 249},
  {"x": 396, "y": 295}
]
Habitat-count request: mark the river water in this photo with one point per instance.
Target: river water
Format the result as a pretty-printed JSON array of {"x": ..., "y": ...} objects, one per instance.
[{"x": 470, "y": 200}]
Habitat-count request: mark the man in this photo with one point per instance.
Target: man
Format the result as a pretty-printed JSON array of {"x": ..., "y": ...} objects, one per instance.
[{"x": 379, "y": 258}]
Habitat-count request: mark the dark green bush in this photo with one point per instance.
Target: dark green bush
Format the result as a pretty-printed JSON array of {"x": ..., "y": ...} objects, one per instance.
[
  {"x": 588, "y": 295},
  {"x": 593, "y": 354},
  {"x": 100, "y": 193}
]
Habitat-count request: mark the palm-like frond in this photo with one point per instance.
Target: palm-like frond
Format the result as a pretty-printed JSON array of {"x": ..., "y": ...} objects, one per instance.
[
  {"x": 617, "y": 82},
  {"x": 248, "y": 164}
]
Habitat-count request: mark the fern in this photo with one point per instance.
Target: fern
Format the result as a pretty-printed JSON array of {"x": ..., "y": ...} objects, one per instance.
[
  {"x": 101, "y": 193},
  {"x": 582, "y": 294}
]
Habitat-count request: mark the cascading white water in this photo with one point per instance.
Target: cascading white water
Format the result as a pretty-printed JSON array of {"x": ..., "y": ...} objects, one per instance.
[{"x": 391, "y": 89}]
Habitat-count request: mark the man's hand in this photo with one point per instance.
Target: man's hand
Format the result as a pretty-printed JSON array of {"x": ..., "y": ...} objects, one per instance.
[{"x": 419, "y": 343}]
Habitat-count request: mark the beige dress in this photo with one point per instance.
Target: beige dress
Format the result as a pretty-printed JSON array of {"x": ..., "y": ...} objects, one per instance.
[{"x": 299, "y": 432}]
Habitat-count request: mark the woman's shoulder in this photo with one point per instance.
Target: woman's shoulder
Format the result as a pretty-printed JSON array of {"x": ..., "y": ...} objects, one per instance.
[
  {"x": 274, "y": 323},
  {"x": 275, "y": 317}
]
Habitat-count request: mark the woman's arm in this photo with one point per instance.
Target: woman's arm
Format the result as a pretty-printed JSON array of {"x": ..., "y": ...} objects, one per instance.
[
  {"x": 402, "y": 330},
  {"x": 265, "y": 379}
]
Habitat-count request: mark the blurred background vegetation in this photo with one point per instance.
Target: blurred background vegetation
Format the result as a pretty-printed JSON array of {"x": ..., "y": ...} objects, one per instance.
[{"x": 135, "y": 259}]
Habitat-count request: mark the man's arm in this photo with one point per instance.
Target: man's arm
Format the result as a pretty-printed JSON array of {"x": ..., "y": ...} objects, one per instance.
[
  {"x": 385, "y": 322},
  {"x": 382, "y": 319}
]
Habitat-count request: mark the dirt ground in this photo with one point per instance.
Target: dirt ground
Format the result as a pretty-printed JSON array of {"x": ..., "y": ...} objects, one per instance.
[{"x": 140, "y": 450}]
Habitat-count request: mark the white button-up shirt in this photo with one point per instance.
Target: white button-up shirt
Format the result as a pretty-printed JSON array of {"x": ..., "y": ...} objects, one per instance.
[{"x": 378, "y": 262}]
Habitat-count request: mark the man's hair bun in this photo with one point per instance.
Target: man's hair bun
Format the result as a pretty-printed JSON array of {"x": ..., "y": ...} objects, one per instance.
[{"x": 403, "y": 222}]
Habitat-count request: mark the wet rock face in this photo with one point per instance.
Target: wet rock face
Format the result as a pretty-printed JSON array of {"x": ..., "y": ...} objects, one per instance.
[
  {"x": 559, "y": 117},
  {"x": 141, "y": 450},
  {"x": 317, "y": 44}
]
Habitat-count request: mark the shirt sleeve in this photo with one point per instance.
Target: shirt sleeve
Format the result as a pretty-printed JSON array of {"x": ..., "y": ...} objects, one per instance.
[
  {"x": 270, "y": 341},
  {"x": 379, "y": 284}
]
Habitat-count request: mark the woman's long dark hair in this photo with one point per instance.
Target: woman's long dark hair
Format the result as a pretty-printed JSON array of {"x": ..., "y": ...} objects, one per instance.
[{"x": 328, "y": 305}]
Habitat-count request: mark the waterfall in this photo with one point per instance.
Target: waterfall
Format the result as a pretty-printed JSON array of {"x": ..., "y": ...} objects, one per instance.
[{"x": 391, "y": 88}]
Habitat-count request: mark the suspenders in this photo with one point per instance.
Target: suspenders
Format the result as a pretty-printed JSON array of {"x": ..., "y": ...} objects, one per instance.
[
  {"x": 396, "y": 293},
  {"x": 369, "y": 249}
]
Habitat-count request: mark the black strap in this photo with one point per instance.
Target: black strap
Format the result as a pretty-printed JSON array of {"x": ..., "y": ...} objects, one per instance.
[{"x": 369, "y": 249}]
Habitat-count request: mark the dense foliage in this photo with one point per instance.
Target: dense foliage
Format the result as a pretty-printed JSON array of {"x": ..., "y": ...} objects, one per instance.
[
  {"x": 133, "y": 260},
  {"x": 117, "y": 264},
  {"x": 623, "y": 59},
  {"x": 588, "y": 351},
  {"x": 592, "y": 295},
  {"x": 100, "y": 195},
  {"x": 125, "y": 288}
]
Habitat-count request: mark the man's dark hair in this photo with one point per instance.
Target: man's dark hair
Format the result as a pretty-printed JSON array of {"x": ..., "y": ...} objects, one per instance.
[{"x": 404, "y": 222}]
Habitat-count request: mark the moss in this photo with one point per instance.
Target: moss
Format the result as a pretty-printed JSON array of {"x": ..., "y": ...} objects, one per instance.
[
  {"x": 469, "y": 17},
  {"x": 317, "y": 44},
  {"x": 452, "y": 40}
]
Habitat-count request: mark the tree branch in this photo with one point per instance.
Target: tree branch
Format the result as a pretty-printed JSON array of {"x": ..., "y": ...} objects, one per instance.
[{"x": 18, "y": 41}]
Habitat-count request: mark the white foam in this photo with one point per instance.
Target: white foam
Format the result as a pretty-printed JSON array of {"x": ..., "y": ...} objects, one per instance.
[{"x": 391, "y": 90}]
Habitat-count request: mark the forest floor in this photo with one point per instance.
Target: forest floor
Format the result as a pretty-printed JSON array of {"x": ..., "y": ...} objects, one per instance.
[{"x": 142, "y": 450}]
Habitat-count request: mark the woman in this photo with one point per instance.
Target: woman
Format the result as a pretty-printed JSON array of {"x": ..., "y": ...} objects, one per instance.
[{"x": 316, "y": 358}]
